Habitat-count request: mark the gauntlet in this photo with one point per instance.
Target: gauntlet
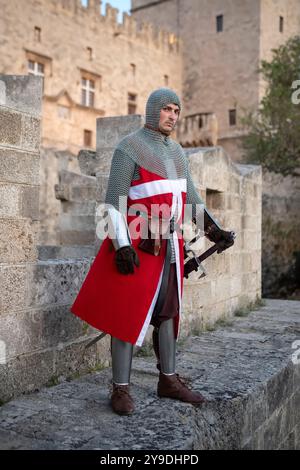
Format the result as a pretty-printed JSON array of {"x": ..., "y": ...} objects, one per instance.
[{"x": 126, "y": 257}]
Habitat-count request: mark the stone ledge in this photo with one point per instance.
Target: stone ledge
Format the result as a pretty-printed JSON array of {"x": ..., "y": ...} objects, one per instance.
[
  {"x": 244, "y": 370},
  {"x": 47, "y": 252}
]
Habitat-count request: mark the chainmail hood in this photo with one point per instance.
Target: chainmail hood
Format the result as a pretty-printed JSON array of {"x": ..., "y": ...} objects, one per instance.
[
  {"x": 156, "y": 101},
  {"x": 151, "y": 149}
]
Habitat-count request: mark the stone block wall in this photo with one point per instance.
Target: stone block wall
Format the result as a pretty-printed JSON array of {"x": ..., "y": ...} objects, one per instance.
[
  {"x": 39, "y": 339},
  {"x": 52, "y": 163},
  {"x": 232, "y": 193},
  {"x": 77, "y": 194}
]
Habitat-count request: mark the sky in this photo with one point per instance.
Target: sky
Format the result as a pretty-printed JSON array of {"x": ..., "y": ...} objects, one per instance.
[{"x": 122, "y": 5}]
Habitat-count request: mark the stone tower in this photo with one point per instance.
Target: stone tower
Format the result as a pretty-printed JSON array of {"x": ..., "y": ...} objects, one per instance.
[{"x": 223, "y": 44}]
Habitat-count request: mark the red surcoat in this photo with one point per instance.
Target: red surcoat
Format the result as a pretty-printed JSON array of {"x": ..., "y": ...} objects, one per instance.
[{"x": 122, "y": 305}]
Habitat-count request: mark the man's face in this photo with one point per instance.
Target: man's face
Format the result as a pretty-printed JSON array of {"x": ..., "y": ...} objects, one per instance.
[{"x": 169, "y": 115}]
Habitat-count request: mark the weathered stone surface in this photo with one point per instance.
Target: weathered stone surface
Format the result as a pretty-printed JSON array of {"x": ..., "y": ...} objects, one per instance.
[
  {"x": 234, "y": 367},
  {"x": 61, "y": 252},
  {"x": 18, "y": 201},
  {"x": 10, "y": 200},
  {"x": 55, "y": 282},
  {"x": 79, "y": 223},
  {"x": 13, "y": 281},
  {"x": 22, "y": 93},
  {"x": 111, "y": 130},
  {"x": 102, "y": 182},
  {"x": 72, "y": 237},
  {"x": 30, "y": 202},
  {"x": 280, "y": 387},
  {"x": 18, "y": 240},
  {"x": 19, "y": 130},
  {"x": 43, "y": 328},
  {"x": 21, "y": 374},
  {"x": 86, "y": 208},
  {"x": 31, "y": 133},
  {"x": 17, "y": 166},
  {"x": 74, "y": 358},
  {"x": 10, "y": 128}
]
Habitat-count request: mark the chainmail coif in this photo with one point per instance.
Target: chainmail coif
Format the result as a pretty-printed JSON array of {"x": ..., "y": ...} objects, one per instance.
[{"x": 152, "y": 150}]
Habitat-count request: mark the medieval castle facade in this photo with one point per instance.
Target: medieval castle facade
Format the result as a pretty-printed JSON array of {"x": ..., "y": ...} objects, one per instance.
[{"x": 207, "y": 50}]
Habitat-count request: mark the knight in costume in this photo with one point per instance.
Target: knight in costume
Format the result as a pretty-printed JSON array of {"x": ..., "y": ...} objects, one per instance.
[{"x": 133, "y": 281}]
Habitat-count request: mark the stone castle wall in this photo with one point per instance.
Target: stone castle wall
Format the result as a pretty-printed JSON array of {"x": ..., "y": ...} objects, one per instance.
[
  {"x": 220, "y": 69},
  {"x": 124, "y": 59},
  {"x": 39, "y": 339}
]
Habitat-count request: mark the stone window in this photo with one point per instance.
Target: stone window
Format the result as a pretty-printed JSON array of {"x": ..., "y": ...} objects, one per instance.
[
  {"x": 215, "y": 200},
  {"x": 219, "y": 23},
  {"x": 87, "y": 92},
  {"x": 37, "y": 69},
  {"x": 133, "y": 69},
  {"x": 39, "y": 65},
  {"x": 132, "y": 103},
  {"x": 89, "y": 53},
  {"x": 232, "y": 117},
  {"x": 37, "y": 34},
  {"x": 87, "y": 138},
  {"x": 281, "y": 24},
  {"x": 166, "y": 80}
]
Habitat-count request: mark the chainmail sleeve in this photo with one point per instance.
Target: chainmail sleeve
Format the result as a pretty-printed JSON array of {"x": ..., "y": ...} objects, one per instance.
[
  {"x": 121, "y": 173},
  {"x": 120, "y": 177}
]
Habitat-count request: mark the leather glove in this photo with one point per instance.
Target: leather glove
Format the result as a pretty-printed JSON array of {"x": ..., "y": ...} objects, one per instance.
[
  {"x": 126, "y": 258},
  {"x": 222, "y": 238}
]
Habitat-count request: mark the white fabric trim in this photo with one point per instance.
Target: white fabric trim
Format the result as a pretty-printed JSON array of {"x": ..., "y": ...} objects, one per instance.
[
  {"x": 152, "y": 188},
  {"x": 177, "y": 256},
  {"x": 118, "y": 229},
  {"x": 145, "y": 326}
]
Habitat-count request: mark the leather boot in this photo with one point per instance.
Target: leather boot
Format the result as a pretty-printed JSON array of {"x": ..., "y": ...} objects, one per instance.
[
  {"x": 172, "y": 386},
  {"x": 155, "y": 341},
  {"x": 121, "y": 401}
]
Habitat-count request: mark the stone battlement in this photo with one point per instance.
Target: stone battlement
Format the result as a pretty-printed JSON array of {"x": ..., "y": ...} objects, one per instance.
[{"x": 145, "y": 32}]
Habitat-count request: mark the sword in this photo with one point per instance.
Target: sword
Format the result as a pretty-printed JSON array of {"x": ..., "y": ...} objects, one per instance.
[
  {"x": 95, "y": 340},
  {"x": 195, "y": 263}
]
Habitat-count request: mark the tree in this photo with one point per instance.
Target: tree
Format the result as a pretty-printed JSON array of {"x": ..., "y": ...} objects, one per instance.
[{"x": 274, "y": 130}]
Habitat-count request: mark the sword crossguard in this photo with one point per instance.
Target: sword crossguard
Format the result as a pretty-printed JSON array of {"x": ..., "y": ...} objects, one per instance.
[{"x": 195, "y": 257}]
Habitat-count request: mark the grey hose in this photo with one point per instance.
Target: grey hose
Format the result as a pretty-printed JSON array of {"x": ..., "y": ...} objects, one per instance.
[
  {"x": 167, "y": 347},
  {"x": 121, "y": 353}
]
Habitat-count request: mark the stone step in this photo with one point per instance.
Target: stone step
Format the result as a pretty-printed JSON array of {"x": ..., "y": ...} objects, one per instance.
[
  {"x": 246, "y": 370},
  {"x": 65, "y": 252}
]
